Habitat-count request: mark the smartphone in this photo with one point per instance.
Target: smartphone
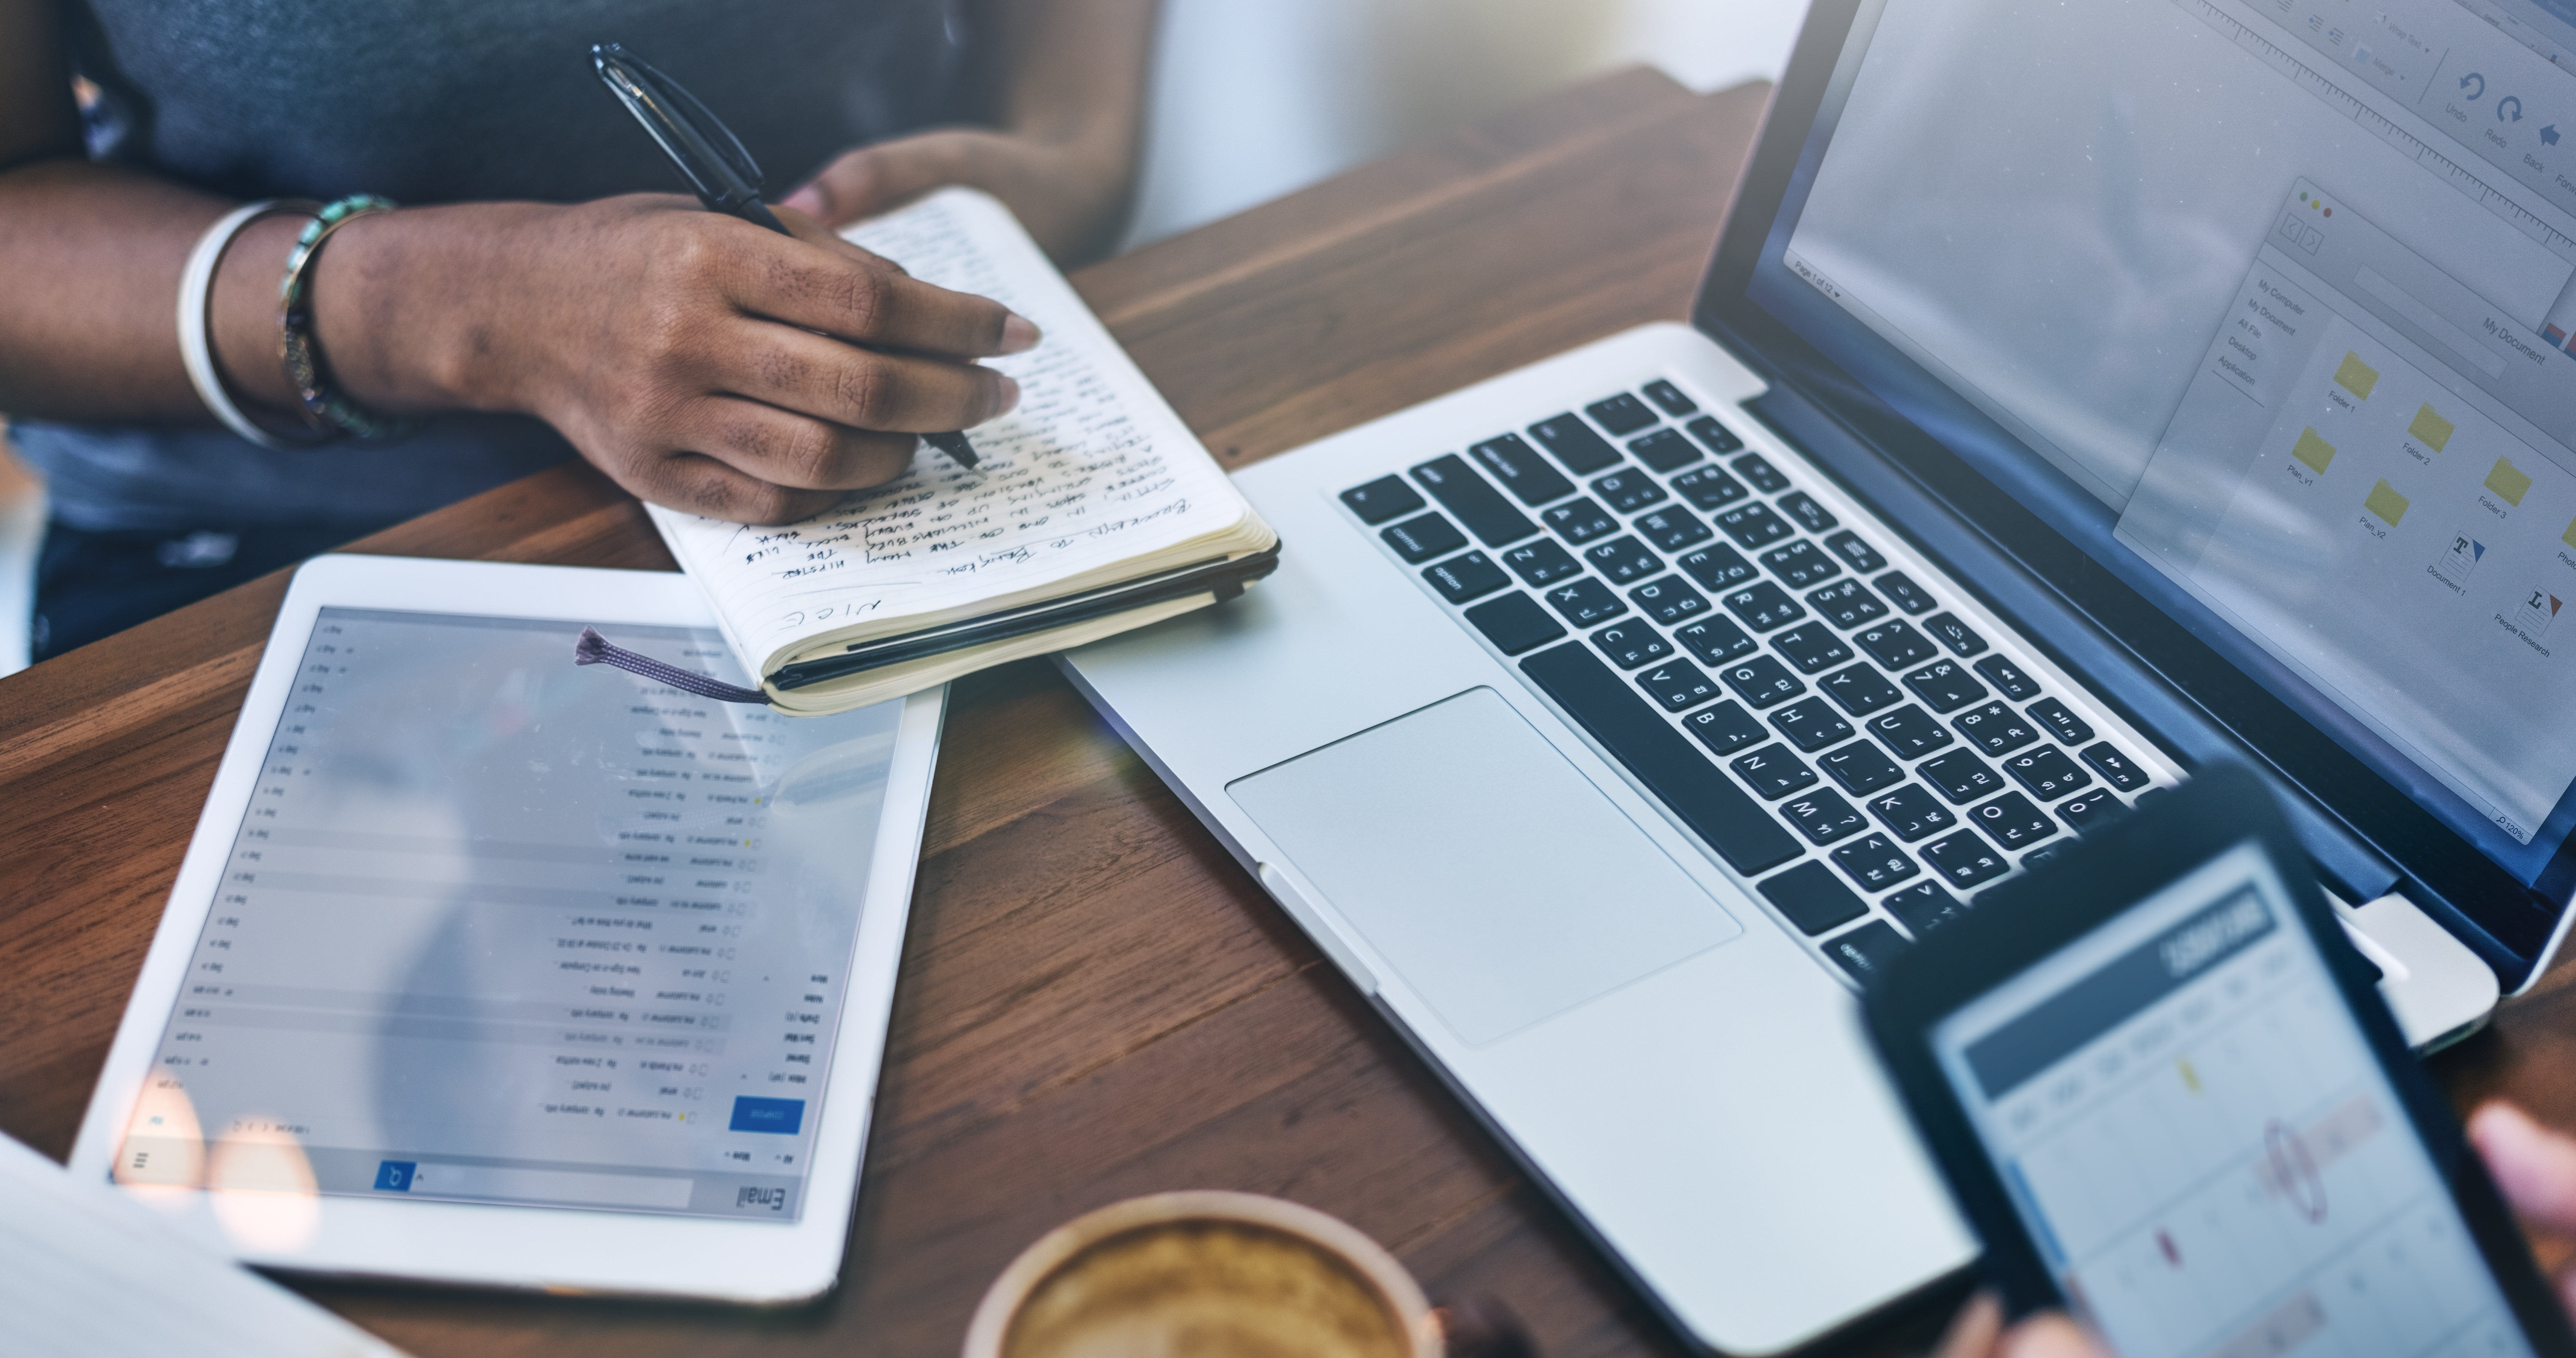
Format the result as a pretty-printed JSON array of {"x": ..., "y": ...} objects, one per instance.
[{"x": 2165, "y": 1090}]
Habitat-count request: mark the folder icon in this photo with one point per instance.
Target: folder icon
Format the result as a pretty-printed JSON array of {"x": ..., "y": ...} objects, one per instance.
[
  {"x": 2314, "y": 451},
  {"x": 2507, "y": 482},
  {"x": 2430, "y": 429},
  {"x": 2385, "y": 502},
  {"x": 2356, "y": 376}
]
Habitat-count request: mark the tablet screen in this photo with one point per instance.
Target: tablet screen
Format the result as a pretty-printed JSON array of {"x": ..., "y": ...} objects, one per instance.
[
  {"x": 497, "y": 928},
  {"x": 2202, "y": 1147}
]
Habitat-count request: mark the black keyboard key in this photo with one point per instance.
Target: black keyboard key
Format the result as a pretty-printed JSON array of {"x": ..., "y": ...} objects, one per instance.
[
  {"x": 2010, "y": 820},
  {"x": 1860, "y": 767},
  {"x": 1630, "y": 644},
  {"x": 1811, "y": 648},
  {"x": 1923, "y": 907},
  {"x": 1678, "y": 685},
  {"x": 1624, "y": 559},
  {"x": 1901, "y": 590},
  {"x": 1753, "y": 525},
  {"x": 1578, "y": 521},
  {"x": 1670, "y": 398},
  {"x": 1620, "y": 414},
  {"x": 1717, "y": 569},
  {"x": 1813, "y": 899},
  {"x": 1995, "y": 728},
  {"x": 1823, "y": 817},
  {"x": 1773, "y": 771},
  {"x": 1945, "y": 686},
  {"x": 2091, "y": 812},
  {"x": 1626, "y": 492},
  {"x": 1541, "y": 563},
  {"x": 2048, "y": 773},
  {"x": 1472, "y": 576},
  {"x": 1763, "y": 606},
  {"x": 1664, "y": 450},
  {"x": 1765, "y": 477},
  {"x": 1714, "y": 640},
  {"x": 1910, "y": 813},
  {"x": 1858, "y": 555},
  {"x": 1644, "y": 743},
  {"x": 1585, "y": 602},
  {"x": 1801, "y": 506},
  {"x": 2115, "y": 767},
  {"x": 1521, "y": 470},
  {"x": 2008, "y": 679},
  {"x": 1474, "y": 500},
  {"x": 1572, "y": 442},
  {"x": 2046, "y": 852},
  {"x": 1811, "y": 725},
  {"x": 1955, "y": 634},
  {"x": 1514, "y": 623},
  {"x": 1866, "y": 951},
  {"x": 1910, "y": 732},
  {"x": 1673, "y": 528},
  {"x": 1709, "y": 488},
  {"x": 1960, "y": 776},
  {"x": 1875, "y": 862},
  {"x": 1382, "y": 499},
  {"x": 1801, "y": 564},
  {"x": 1762, "y": 682},
  {"x": 1725, "y": 728},
  {"x": 1846, "y": 603},
  {"x": 1896, "y": 644},
  {"x": 1669, "y": 601},
  {"x": 1860, "y": 690},
  {"x": 1720, "y": 439},
  {"x": 1419, "y": 540},
  {"x": 1963, "y": 860},
  {"x": 2059, "y": 721}
]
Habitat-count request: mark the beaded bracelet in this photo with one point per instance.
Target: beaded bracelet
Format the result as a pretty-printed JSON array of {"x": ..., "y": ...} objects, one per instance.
[{"x": 324, "y": 407}]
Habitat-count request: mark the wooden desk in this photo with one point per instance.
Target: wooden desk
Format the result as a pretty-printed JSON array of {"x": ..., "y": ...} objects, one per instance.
[{"x": 1095, "y": 1001}]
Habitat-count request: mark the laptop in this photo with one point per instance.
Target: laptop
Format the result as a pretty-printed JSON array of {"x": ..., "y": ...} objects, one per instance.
[{"x": 2078, "y": 396}]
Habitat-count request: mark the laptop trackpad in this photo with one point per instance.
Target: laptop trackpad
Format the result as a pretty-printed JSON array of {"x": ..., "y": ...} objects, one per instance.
[{"x": 1489, "y": 872}]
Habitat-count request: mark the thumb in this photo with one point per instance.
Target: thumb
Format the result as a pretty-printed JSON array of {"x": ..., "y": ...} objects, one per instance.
[
  {"x": 873, "y": 179},
  {"x": 2048, "y": 1335},
  {"x": 2535, "y": 1166}
]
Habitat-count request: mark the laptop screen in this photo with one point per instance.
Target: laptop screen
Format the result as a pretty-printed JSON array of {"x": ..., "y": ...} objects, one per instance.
[{"x": 2265, "y": 306}]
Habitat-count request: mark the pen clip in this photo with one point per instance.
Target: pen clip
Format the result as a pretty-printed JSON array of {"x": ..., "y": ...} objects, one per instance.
[{"x": 708, "y": 154}]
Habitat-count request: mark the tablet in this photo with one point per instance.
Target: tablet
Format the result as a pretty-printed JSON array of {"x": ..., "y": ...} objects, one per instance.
[
  {"x": 2167, "y": 1095},
  {"x": 487, "y": 968}
]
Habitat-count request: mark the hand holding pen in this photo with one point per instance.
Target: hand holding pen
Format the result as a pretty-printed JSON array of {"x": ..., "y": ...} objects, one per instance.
[{"x": 728, "y": 180}]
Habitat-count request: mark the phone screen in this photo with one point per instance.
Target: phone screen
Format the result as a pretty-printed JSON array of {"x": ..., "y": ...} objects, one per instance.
[{"x": 2205, "y": 1152}]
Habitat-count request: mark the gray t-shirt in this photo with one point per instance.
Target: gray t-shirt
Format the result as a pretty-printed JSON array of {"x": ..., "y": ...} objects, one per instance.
[{"x": 433, "y": 101}]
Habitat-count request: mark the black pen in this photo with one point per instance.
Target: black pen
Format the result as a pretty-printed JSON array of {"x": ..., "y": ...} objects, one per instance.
[{"x": 712, "y": 159}]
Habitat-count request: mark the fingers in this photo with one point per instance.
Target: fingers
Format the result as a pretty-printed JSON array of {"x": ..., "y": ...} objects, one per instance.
[
  {"x": 2535, "y": 1166},
  {"x": 847, "y": 385},
  {"x": 704, "y": 485},
  {"x": 872, "y": 179},
  {"x": 2048, "y": 1335},
  {"x": 838, "y": 295},
  {"x": 1973, "y": 1331},
  {"x": 791, "y": 451}
]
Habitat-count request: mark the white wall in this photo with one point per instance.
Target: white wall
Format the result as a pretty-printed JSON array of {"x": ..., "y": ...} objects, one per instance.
[{"x": 1253, "y": 98}]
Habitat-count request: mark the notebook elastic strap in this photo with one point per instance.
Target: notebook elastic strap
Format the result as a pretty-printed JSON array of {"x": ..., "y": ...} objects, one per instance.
[{"x": 594, "y": 649}]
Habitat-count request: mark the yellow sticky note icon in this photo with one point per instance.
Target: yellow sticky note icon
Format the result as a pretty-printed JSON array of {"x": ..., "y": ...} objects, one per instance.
[
  {"x": 2569, "y": 537},
  {"x": 2355, "y": 376},
  {"x": 2508, "y": 482},
  {"x": 2430, "y": 429},
  {"x": 2385, "y": 502},
  {"x": 2314, "y": 451}
]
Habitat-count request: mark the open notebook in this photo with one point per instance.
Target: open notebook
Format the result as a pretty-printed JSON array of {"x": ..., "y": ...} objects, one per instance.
[{"x": 1094, "y": 509}]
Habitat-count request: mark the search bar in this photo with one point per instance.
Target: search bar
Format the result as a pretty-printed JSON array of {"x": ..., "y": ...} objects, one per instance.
[
  {"x": 2424, "y": 318},
  {"x": 538, "y": 1185}
]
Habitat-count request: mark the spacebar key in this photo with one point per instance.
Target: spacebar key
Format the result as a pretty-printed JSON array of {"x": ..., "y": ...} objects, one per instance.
[{"x": 1673, "y": 769}]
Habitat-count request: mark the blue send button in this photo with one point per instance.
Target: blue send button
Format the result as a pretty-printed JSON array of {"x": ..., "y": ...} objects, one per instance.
[
  {"x": 394, "y": 1176},
  {"x": 783, "y": 1116}
]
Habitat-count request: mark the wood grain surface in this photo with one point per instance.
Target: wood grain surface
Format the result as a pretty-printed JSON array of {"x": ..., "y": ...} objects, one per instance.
[{"x": 1095, "y": 1001}]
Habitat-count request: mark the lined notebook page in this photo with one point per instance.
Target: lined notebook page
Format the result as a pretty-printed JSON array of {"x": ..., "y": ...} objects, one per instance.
[{"x": 1093, "y": 468}]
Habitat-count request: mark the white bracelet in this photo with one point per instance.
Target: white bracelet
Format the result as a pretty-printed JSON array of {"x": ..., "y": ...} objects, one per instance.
[{"x": 196, "y": 287}]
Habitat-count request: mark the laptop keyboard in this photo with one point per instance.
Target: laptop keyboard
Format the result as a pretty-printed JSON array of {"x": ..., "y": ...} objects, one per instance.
[{"x": 1841, "y": 727}]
